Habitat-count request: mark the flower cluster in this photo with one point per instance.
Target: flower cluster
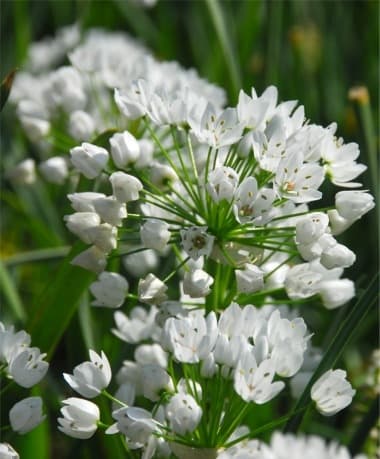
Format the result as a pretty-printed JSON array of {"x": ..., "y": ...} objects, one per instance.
[
  {"x": 230, "y": 198},
  {"x": 25, "y": 366}
]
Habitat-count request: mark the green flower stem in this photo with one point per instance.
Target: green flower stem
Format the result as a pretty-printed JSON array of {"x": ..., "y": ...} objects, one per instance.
[
  {"x": 238, "y": 417},
  {"x": 113, "y": 399},
  {"x": 278, "y": 267},
  {"x": 178, "y": 267}
]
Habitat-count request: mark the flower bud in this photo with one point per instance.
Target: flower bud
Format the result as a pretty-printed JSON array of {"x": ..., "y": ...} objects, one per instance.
[
  {"x": 336, "y": 292},
  {"x": 155, "y": 234},
  {"x": 332, "y": 392},
  {"x": 24, "y": 173},
  {"x": 89, "y": 159},
  {"x": 110, "y": 210},
  {"x": 81, "y": 126},
  {"x": 161, "y": 175},
  {"x": 222, "y": 183},
  {"x": 109, "y": 290},
  {"x": 83, "y": 202},
  {"x": 54, "y": 170},
  {"x": 197, "y": 283},
  {"x": 80, "y": 222},
  {"x": 125, "y": 187},
  {"x": 152, "y": 290},
  {"x": 183, "y": 413},
  {"x": 124, "y": 149},
  {"x": 338, "y": 256},
  {"x": 80, "y": 418},
  {"x": 250, "y": 279},
  {"x": 92, "y": 259},
  {"x": 146, "y": 153},
  {"x": 310, "y": 228},
  {"x": 353, "y": 204},
  {"x": 25, "y": 415}
]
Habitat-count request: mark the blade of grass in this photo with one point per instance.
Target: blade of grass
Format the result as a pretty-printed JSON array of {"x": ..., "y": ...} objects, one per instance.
[
  {"x": 363, "y": 429},
  {"x": 336, "y": 348},
  {"x": 218, "y": 21},
  {"x": 36, "y": 255},
  {"x": 11, "y": 295},
  {"x": 6, "y": 86},
  {"x": 58, "y": 303}
]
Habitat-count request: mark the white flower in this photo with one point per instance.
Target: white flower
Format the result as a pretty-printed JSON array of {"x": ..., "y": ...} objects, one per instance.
[
  {"x": 27, "y": 367},
  {"x": 80, "y": 222},
  {"x": 103, "y": 236},
  {"x": 183, "y": 413},
  {"x": 146, "y": 153},
  {"x": 162, "y": 175},
  {"x": 297, "y": 181},
  {"x": 336, "y": 292},
  {"x": 24, "y": 173},
  {"x": 222, "y": 183},
  {"x": 253, "y": 204},
  {"x": 83, "y": 202},
  {"x": 92, "y": 259},
  {"x": 250, "y": 279},
  {"x": 139, "y": 264},
  {"x": 7, "y": 452},
  {"x": 338, "y": 256},
  {"x": 89, "y": 159},
  {"x": 90, "y": 378},
  {"x": 216, "y": 129},
  {"x": 151, "y": 354},
  {"x": 254, "y": 382},
  {"x": 80, "y": 418},
  {"x": 196, "y": 241},
  {"x": 254, "y": 111},
  {"x": 81, "y": 125},
  {"x": 197, "y": 283},
  {"x": 302, "y": 282},
  {"x": 151, "y": 290},
  {"x": 352, "y": 205},
  {"x": 124, "y": 149},
  {"x": 110, "y": 210},
  {"x": 139, "y": 326},
  {"x": 155, "y": 234},
  {"x": 26, "y": 414},
  {"x": 12, "y": 343},
  {"x": 54, "y": 170},
  {"x": 332, "y": 392},
  {"x": 340, "y": 164},
  {"x": 125, "y": 187},
  {"x": 311, "y": 227},
  {"x": 191, "y": 338},
  {"x": 135, "y": 423},
  {"x": 109, "y": 290},
  {"x": 155, "y": 379}
]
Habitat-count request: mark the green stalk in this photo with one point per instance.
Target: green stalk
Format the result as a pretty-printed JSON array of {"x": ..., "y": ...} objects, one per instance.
[{"x": 217, "y": 19}]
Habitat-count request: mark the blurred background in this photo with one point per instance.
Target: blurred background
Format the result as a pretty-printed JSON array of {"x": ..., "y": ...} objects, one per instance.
[{"x": 314, "y": 51}]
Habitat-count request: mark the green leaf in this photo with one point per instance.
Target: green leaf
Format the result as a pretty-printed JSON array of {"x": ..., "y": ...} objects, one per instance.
[
  {"x": 58, "y": 303},
  {"x": 6, "y": 86},
  {"x": 336, "y": 348},
  {"x": 10, "y": 293}
]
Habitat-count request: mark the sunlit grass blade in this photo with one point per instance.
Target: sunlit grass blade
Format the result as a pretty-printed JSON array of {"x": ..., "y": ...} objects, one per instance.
[
  {"x": 11, "y": 296},
  {"x": 36, "y": 255},
  {"x": 336, "y": 348},
  {"x": 58, "y": 303}
]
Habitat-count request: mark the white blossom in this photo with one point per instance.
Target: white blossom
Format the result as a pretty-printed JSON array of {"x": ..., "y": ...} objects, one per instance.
[
  {"x": 197, "y": 283},
  {"x": 125, "y": 187},
  {"x": 27, "y": 367},
  {"x": 92, "y": 259},
  {"x": 250, "y": 279},
  {"x": 196, "y": 241},
  {"x": 81, "y": 125},
  {"x": 26, "y": 414},
  {"x": 80, "y": 418},
  {"x": 183, "y": 413},
  {"x": 125, "y": 149},
  {"x": 332, "y": 392},
  {"x": 152, "y": 290},
  {"x": 109, "y": 290},
  {"x": 54, "y": 170},
  {"x": 110, "y": 210},
  {"x": 155, "y": 234},
  {"x": 91, "y": 377},
  {"x": 89, "y": 159}
]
